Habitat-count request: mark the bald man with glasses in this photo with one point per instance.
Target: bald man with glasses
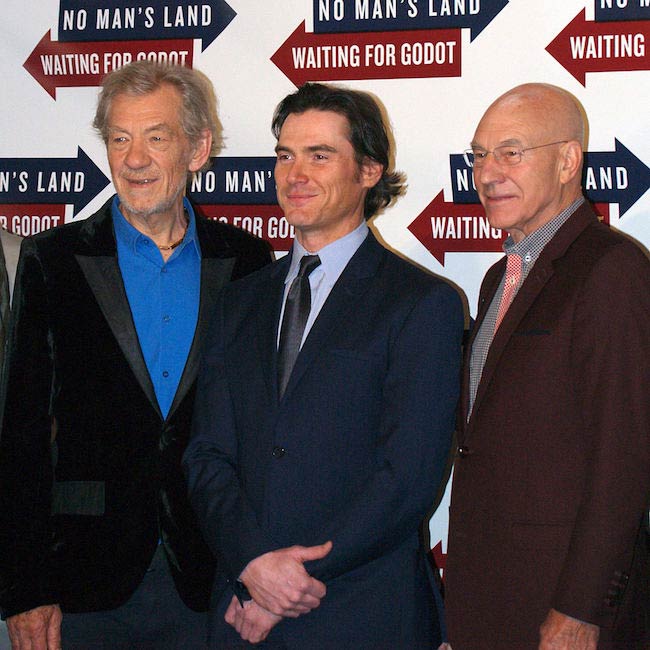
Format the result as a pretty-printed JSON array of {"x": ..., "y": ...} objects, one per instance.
[{"x": 548, "y": 546}]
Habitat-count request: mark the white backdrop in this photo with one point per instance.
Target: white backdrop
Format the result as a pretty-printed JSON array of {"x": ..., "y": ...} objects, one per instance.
[{"x": 434, "y": 64}]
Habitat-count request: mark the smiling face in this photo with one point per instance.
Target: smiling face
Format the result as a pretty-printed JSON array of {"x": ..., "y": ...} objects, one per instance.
[
  {"x": 321, "y": 187},
  {"x": 523, "y": 197},
  {"x": 149, "y": 153}
]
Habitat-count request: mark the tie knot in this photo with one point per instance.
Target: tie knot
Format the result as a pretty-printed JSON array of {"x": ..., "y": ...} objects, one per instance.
[
  {"x": 307, "y": 264},
  {"x": 513, "y": 261}
]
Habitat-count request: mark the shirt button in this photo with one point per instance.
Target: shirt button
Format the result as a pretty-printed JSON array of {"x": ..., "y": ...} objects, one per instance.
[
  {"x": 164, "y": 269},
  {"x": 278, "y": 452},
  {"x": 165, "y": 373},
  {"x": 463, "y": 452},
  {"x": 166, "y": 318}
]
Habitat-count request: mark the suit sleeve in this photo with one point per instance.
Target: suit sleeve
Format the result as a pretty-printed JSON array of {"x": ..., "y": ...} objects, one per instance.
[
  {"x": 611, "y": 379},
  {"x": 25, "y": 445},
  {"x": 227, "y": 520},
  {"x": 420, "y": 395}
]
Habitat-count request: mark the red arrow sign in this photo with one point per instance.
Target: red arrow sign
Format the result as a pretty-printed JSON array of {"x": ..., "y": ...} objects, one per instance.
[
  {"x": 463, "y": 228},
  {"x": 583, "y": 46},
  {"x": 439, "y": 557},
  {"x": 31, "y": 218},
  {"x": 265, "y": 221},
  {"x": 65, "y": 65},
  {"x": 455, "y": 228},
  {"x": 369, "y": 55}
]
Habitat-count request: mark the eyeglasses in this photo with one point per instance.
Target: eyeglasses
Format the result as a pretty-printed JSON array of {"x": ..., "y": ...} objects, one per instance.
[{"x": 505, "y": 155}]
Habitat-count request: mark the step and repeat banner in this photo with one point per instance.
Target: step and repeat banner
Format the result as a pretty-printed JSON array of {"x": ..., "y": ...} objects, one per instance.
[{"x": 435, "y": 65}]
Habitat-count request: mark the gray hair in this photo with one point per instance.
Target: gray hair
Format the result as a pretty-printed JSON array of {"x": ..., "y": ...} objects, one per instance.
[{"x": 199, "y": 103}]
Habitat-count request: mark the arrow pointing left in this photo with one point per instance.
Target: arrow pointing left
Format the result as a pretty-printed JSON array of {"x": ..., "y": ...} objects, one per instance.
[
  {"x": 73, "y": 181},
  {"x": 583, "y": 46},
  {"x": 369, "y": 55},
  {"x": 66, "y": 65}
]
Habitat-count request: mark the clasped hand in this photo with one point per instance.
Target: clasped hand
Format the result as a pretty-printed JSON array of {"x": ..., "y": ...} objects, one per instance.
[{"x": 279, "y": 587}]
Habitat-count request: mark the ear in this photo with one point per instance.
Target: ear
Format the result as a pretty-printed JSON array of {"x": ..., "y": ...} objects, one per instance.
[
  {"x": 371, "y": 172},
  {"x": 570, "y": 161},
  {"x": 201, "y": 151}
]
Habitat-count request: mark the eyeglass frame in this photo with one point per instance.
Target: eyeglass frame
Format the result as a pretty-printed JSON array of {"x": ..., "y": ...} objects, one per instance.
[{"x": 498, "y": 157}]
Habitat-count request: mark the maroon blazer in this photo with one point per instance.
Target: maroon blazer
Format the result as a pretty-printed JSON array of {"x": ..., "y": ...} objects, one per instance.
[{"x": 552, "y": 478}]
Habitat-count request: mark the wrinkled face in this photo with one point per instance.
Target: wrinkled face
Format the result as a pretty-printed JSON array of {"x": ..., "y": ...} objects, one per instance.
[
  {"x": 149, "y": 153},
  {"x": 523, "y": 197},
  {"x": 321, "y": 187}
]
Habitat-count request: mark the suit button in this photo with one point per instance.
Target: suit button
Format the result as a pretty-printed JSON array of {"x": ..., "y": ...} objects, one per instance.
[
  {"x": 278, "y": 452},
  {"x": 463, "y": 452}
]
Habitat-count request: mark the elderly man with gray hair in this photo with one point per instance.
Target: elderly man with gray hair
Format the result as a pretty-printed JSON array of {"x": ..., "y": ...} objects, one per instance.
[{"x": 99, "y": 547}]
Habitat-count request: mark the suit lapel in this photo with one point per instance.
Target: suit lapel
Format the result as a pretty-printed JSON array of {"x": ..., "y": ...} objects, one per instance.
[
  {"x": 537, "y": 279},
  {"x": 97, "y": 257},
  {"x": 268, "y": 320},
  {"x": 214, "y": 274},
  {"x": 489, "y": 288},
  {"x": 342, "y": 300}
]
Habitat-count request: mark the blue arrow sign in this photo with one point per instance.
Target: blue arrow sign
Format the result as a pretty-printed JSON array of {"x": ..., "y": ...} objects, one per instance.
[
  {"x": 119, "y": 20},
  {"x": 377, "y": 15},
  {"x": 615, "y": 177},
  {"x": 462, "y": 180},
  {"x": 245, "y": 180},
  {"x": 609, "y": 10},
  {"x": 51, "y": 180},
  {"x": 608, "y": 177}
]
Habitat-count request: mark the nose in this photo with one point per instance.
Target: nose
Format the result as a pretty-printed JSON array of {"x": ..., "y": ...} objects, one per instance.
[
  {"x": 489, "y": 172},
  {"x": 296, "y": 172},
  {"x": 137, "y": 155}
]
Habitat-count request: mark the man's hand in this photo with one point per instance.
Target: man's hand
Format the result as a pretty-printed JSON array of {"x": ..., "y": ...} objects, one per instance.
[
  {"x": 561, "y": 632},
  {"x": 279, "y": 583},
  {"x": 36, "y": 629},
  {"x": 252, "y": 622}
]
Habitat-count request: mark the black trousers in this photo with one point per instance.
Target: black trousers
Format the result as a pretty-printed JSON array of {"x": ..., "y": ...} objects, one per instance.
[{"x": 154, "y": 618}]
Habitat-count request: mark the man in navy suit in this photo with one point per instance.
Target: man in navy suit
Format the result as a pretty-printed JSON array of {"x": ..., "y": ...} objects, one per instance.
[{"x": 325, "y": 407}]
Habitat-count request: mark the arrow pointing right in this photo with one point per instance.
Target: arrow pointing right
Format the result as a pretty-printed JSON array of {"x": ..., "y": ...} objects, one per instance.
[
  {"x": 615, "y": 177},
  {"x": 51, "y": 180}
]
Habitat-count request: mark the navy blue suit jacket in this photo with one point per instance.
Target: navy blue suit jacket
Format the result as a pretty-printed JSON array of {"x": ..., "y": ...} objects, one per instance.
[{"x": 353, "y": 452}]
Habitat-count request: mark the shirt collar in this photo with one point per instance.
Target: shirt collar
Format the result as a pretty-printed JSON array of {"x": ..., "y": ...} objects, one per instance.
[
  {"x": 333, "y": 257},
  {"x": 531, "y": 246},
  {"x": 129, "y": 236}
]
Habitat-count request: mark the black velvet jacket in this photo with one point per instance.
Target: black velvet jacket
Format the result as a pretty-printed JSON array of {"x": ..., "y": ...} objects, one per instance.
[{"x": 90, "y": 475}]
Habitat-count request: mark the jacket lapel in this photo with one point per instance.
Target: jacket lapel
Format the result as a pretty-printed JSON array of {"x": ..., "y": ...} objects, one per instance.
[
  {"x": 489, "y": 288},
  {"x": 97, "y": 257},
  {"x": 268, "y": 322},
  {"x": 539, "y": 276},
  {"x": 214, "y": 274},
  {"x": 342, "y": 300}
]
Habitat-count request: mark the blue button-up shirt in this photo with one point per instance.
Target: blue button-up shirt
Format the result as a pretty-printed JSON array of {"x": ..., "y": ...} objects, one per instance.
[{"x": 164, "y": 299}]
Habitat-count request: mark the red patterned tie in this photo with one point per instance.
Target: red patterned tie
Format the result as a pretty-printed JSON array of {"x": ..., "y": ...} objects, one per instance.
[{"x": 513, "y": 275}]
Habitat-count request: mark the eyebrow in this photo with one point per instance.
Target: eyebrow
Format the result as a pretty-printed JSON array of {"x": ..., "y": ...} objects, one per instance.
[
  {"x": 504, "y": 143},
  {"x": 311, "y": 149},
  {"x": 161, "y": 126}
]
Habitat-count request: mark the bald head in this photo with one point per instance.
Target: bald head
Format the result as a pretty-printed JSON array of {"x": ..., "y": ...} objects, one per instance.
[
  {"x": 558, "y": 112},
  {"x": 544, "y": 127}
]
